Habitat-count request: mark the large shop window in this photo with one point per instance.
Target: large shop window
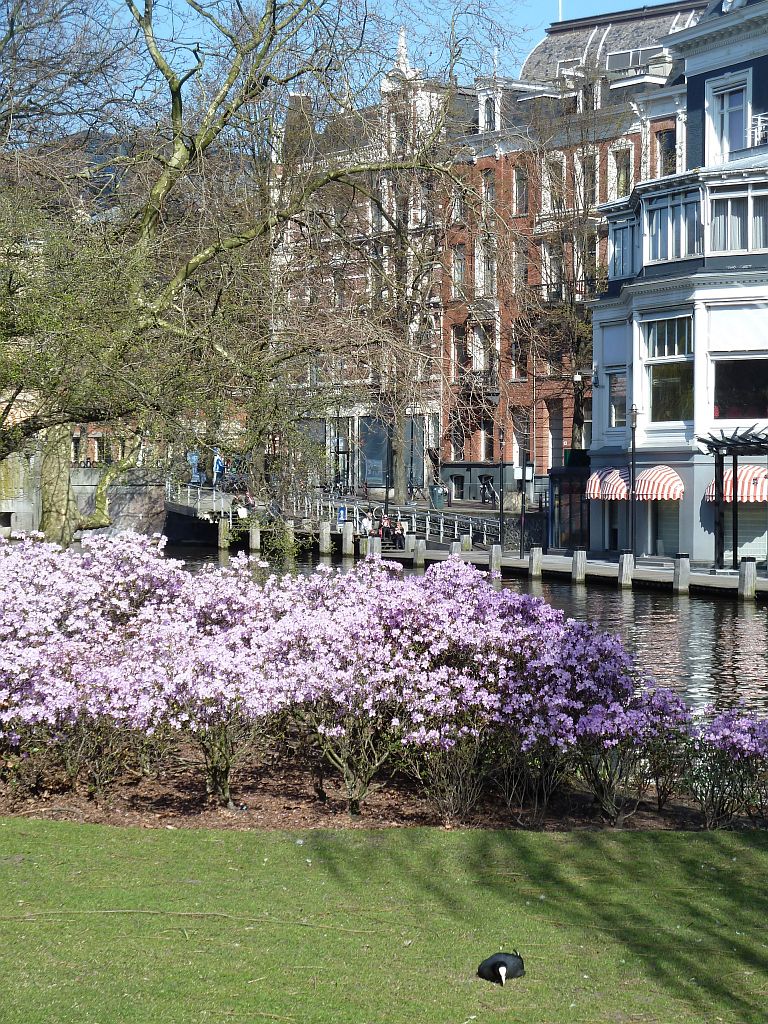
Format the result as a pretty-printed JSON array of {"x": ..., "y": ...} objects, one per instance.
[
  {"x": 674, "y": 227},
  {"x": 617, "y": 398},
  {"x": 739, "y": 219},
  {"x": 670, "y": 368},
  {"x": 741, "y": 389}
]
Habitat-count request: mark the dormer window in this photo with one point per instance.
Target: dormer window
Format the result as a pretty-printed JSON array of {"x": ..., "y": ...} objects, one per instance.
[{"x": 489, "y": 108}]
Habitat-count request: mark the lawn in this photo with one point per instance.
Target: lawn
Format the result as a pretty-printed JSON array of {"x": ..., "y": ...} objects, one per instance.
[{"x": 106, "y": 925}]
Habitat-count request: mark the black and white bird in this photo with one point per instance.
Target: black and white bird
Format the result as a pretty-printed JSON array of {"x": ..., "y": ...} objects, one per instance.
[{"x": 500, "y": 966}]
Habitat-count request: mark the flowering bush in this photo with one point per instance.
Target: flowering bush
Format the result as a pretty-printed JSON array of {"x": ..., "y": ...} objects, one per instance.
[{"x": 106, "y": 648}]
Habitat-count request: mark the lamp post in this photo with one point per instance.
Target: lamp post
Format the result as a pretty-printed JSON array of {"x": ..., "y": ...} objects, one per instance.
[
  {"x": 632, "y": 482},
  {"x": 387, "y": 459},
  {"x": 501, "y": 487},
  {"x": 337, "y": 450}
]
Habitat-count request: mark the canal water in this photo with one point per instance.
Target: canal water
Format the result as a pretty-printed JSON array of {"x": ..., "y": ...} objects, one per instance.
[{"x": 711, "y": 650}]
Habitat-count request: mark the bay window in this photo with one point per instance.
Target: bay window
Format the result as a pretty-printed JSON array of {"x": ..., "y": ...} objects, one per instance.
[
  {"x": 674, "y": 227},
  {"x": 670, "y": 368},
  {"x": 739, "y": 219},
  {"x": 623, "y": 236}
]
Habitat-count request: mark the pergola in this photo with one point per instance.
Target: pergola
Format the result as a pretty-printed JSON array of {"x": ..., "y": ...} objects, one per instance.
[{"x": 749, "y": 442}]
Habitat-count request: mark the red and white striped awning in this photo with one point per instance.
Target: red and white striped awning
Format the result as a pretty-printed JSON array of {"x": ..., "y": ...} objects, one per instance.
[
  {"x": 609, "y": 484},
  {"x": 658, "y": 483},
  {"x": 752, "y": 482}
]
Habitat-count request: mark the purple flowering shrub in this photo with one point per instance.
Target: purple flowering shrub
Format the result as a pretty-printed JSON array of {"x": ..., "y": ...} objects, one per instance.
[
  {"x": 726, "y": 765},
  {"x": 111, "y": 654}
]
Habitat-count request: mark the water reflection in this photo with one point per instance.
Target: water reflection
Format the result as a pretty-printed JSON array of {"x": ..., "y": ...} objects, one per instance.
[{"x": 711, "y": 650}]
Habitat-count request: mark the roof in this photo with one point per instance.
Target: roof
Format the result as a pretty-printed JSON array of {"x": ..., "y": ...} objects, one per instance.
[{"x": 588, "y": 41}]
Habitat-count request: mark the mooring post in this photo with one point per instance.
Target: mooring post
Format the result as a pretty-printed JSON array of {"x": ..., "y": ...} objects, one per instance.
[
  {"x": 534, "y": 562},
  {"x": 466, "y": 542},
  {"x": 456, "y": 547},
  {"x": 225, "y": 533},
  {"x": 410, "y": 543},
  {"x": 348, "y": 539},
  {"x": 494, "y": 560},
  {"x": 626, "y": 568},
  {"x": 290, "y": 531},
  {"x": 579, "y": 566},
  {"x": 681, "y": 574},
  {"x": 374, "y": 546},
  {"x": 325, "y": 537},
  {"x": 420, "y": 552},
  {"x": 747, "y": 578},
  {"x": 254, "y": 538}
]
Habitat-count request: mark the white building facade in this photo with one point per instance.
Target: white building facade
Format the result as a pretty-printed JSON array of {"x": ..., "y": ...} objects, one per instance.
[{"x": 681, "y": 334}]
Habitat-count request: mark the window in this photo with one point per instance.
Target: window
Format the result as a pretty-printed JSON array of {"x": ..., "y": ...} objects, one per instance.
[
  {"x": 670, "y": 368},
  {"x": 482, "y": 354},
  {"x": 521, "y": 263},
  {"x": 586, "y": 432},
  {"x": 427, "y": 203},
  {"x": 490, "y": 114},
  {"x": 674, "y": 227},
  {"x": 739, "y": 221},
  {"x": 521, "y": 191},
  {"x": 487, "y": 441},
  {"x": 459, "y": 270},
  {"x": 731, "y": 120},
  {"x": 617, "y": 398},
  {"x": 622, "y": 165},
  {"x": 488, "y": 192},
  {"x": 623, "y": 236},
  {"x": 556, "y": 183},
  {"x": 487, "y": 268},
  {"x": 666, "y": 152},
  {"x": 460, "y": 353},
  {"x": 459, "y": 205},
  {"x": 588, "y": 181},
  {"x": 741, "y": 389},
  {"x": 554, "y": 269}
]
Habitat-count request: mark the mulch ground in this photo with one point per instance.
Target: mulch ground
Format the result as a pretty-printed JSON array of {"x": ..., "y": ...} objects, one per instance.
[{"x": 283, "y": 798}]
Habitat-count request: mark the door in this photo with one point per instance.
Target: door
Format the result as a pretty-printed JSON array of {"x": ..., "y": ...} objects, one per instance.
[{"x": 666, "y": 534}]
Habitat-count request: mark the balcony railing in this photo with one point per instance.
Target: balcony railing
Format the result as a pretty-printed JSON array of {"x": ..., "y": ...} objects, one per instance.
[{"x": 759, "y": 129}]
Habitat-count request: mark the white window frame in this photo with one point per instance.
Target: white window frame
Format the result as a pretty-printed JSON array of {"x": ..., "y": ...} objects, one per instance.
[
  {"x": 629, "y": 229},
  {"x": 458, "y": 287},
  {"x": 578, "y": 166},
  {"x": 748, "y": 191},
  {"x": 715, "y": 152},
  {"x": 665, "y": 204},
  {"x": 650, "y": 361},
  {"x": 555, "y": 157},
  {"x": 616, "y": 371},
  {"x": 613, "y": 172}
]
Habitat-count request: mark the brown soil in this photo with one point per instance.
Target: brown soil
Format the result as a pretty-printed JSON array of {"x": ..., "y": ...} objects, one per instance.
[{"x": 284, "y": 799}]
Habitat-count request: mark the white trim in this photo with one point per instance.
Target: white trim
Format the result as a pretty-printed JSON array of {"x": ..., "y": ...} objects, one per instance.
[{"x": 714, "y": 151}]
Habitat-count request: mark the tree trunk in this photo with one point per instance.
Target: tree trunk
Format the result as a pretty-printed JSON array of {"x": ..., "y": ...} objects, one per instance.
[
  {"x": 399, "y": 457},
  {"x": 577, "y": 430},
  {"x": 60, "y": 514}
]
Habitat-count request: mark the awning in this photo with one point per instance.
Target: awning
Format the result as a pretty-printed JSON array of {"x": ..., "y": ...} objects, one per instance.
[
  {"x": 658, "y": 483},
  {"x": 752, "y": 481},
  {"x": 608, "y": 484}
]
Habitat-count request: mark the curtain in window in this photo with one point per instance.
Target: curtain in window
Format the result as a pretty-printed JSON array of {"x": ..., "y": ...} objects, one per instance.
[
  {"x": 760, "y": 222},
  {"x": 738, "y": 224},
  {"x": 719, "y": 225}
]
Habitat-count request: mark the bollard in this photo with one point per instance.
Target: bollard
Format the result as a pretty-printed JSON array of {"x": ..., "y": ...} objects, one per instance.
[
  {"x": 224, "y": 534},
  {"x": 747, "y": 578},
  {"x": 420, "y": 552},
  {"x": 306, "y": 525},
  {"x": 410, "y": 543},
  {"x": 579, "y": 566},
  {"x": 374, "y": 546},
  {"x": 456, "y": 547},
  {"x": 681, "y": 575},
  {"x": 348, "y": 539},
  {"x": 534, "y": 562},
  {"x": 325, "y": 538},
  {"x": 466, "y": 542},
  {"x": 494, "y": 560},
  {"x": 254, "y": 538},
  {"x": 626, "y": 568}
]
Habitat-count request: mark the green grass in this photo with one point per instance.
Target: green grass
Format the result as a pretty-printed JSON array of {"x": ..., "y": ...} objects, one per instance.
[{"x": 382, "y": 927}]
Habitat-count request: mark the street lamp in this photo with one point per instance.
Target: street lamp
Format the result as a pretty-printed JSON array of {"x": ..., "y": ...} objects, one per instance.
[
  {"x": 501, "y": 487},
  {"x": 633, "y": 481},
  {"x": 387, "y": 459}
]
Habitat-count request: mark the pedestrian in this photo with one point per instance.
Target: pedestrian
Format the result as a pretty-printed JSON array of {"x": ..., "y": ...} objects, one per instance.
[
  {"x": 366, "y": 525},
  {"x": 219, "y": 467},
  {"x": 400, "y": 536}
]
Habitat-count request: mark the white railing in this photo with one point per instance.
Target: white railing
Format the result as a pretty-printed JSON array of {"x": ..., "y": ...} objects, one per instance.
[{"x": 759, "y": 129}]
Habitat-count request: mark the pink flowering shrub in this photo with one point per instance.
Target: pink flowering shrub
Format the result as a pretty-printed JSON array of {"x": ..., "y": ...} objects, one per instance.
[{"x": 112, "y": 652}]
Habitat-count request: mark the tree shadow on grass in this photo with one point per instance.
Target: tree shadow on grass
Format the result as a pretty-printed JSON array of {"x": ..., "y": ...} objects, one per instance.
[{"x": 691, "y": 907}]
